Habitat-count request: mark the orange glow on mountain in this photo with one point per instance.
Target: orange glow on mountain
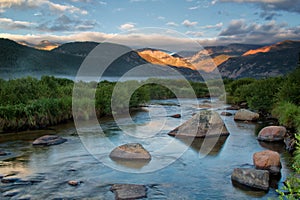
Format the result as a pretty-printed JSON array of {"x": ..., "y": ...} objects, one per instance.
[
  {"x": 162, "y": 58},
  {"x": 260, "y": 50}
]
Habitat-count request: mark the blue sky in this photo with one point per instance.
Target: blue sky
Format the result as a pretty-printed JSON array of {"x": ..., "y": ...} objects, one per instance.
[{"x": 211, "y": 22}]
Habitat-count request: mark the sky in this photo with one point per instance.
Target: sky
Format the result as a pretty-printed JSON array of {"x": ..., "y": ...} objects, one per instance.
[{"x": 209, "y": 22}]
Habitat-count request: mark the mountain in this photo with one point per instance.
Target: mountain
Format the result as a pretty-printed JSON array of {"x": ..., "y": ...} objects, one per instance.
[
  {"x": 232, "y": 61},
  {"x": 42, "y": 45},
  {"x": 272, "y": 60},
  {"x": 17, "y": 60},
  {"x": 81, "y": 49}
]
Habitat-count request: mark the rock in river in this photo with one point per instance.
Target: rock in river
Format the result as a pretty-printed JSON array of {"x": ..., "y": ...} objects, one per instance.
[
  {"x": 48, "y": 140},
  {"x": 272, "y": 134},
  {"x": 258, "y": 179},
  {"x": 203, "y": 124},
  {"x": 267, "y": 160},
  {"x": 226, "y": 113},
  {"x": 3, "y": 153},
  {"x": 129, "y": 191},
  {"x": 175, "y": 116},
  {"x": 131, "y": 151},
  {"x": 246, "y": 115}
]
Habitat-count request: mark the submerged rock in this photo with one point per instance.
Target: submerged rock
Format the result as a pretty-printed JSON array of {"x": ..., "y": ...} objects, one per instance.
[
  {"x": 73, "y": 183},
  {"x": 175, "y": 116},
  {"x": 48, "y": 140},
  {"x": 267, "y": 160},
  {"x": 258, "y": 179},
  {"x": 226, "y": 113},
  {"x": 10, "y": 180},
  {"x": 246, "y": 115},
  {"x": 272, "y": 134},
  {"x": 3, "y": 153},
  {"x": 203, "y": 124},
  {"x": 129, "y": 191},
  {"x": 131, "y": 151}
]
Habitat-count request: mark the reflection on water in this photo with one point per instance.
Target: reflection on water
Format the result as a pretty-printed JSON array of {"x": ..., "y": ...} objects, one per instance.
[
  {"x": 201, "y": 145},
  {"x": 135, "y": 164},
  {"x": 45, "y": 171}
]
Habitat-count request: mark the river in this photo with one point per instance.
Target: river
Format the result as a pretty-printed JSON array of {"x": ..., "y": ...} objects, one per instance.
[{"x": 43, "y": 172}]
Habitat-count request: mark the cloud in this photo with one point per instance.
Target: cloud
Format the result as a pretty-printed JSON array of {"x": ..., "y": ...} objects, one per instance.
[
  {"x": 216, "y": 26},
  {"x": 127, "y": 26},
  {"x": 268, "y": 16},
  {"x": 171, "y": 24},
  {"x": 258, "y": 33},
  {"x": 195, "y": 33},
  {"x": 188, "y": 23},
  {"x": 194, "y": 8},
  {"x": 64, "y": 23},
  {"x": 272, "y": 5},
  {"x": 9, "y": 24},
  {"x": 28, "y": 4}
]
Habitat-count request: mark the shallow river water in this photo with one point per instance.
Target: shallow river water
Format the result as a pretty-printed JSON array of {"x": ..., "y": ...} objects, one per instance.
[{"x": 43, "y": 172}]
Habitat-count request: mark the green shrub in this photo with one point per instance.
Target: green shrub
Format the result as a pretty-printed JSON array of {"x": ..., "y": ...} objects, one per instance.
[{"x": 288, "y": 114}]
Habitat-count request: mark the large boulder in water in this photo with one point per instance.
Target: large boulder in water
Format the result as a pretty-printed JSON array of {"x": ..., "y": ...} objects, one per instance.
[
  {"x": 48, "y": 140},
  {"x": 246, "y": 115},
  {"x": 203, "y": 124},
  {"x": 129, "y": 191},
  {"x": 267, "y": 160},
  {"x": 131, "y": 151},
  {"x": 257, "y": 179},
  {"x": 272, "y": 134}
]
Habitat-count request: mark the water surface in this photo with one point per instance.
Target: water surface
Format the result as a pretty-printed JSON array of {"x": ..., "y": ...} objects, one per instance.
[{"x": 45, "y": 171}]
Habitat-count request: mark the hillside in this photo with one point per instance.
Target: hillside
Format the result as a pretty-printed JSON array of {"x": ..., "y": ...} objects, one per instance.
[
  {"x": 272, "y": 60},
  {"x": 233, "y": 61},
  {"x": 17, "y": 60}
]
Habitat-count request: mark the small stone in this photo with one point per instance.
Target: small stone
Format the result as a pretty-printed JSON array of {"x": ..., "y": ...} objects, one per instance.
[
  {"x": 48, "y": 140},
  {"x": 226, "y": 113},
  {"x": 9, "y": 180},
  {"x": 129, "y": 191},
  {"x": 176, "y": 116},
  {"x": 73, "y": 183},
  {"x": 3, "y": 153}
]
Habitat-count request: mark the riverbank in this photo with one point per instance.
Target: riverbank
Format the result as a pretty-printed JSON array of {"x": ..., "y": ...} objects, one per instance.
[{"x": 30, "y": 104}]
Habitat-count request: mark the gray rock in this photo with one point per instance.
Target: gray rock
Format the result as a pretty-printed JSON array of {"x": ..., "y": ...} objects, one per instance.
[
  {"x": 272, "y": 134},
  {"x": 258, "y": 179},
  {"x": 203, "y": 124},
  {"x": 129, "y": 191},
  {"x": 48, "y": 140},
  {"x": 246, "y": 115},
  {"x": 131, "y": 151}
]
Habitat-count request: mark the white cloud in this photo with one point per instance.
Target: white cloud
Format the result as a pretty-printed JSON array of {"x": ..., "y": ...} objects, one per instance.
[
  {"x": 127, "y": 26},
  {"x": 272, "y": 5},
  {"x": 171, "y": 24},
  {"x": 188, "y": 23},
  {"x": 25, "y": 4},
  {"x": 194, "y": 8},
  {"x": 6, "y": 23},
  {"x": 195, "y": 33},
  {"x": 216, "y": 26}
]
